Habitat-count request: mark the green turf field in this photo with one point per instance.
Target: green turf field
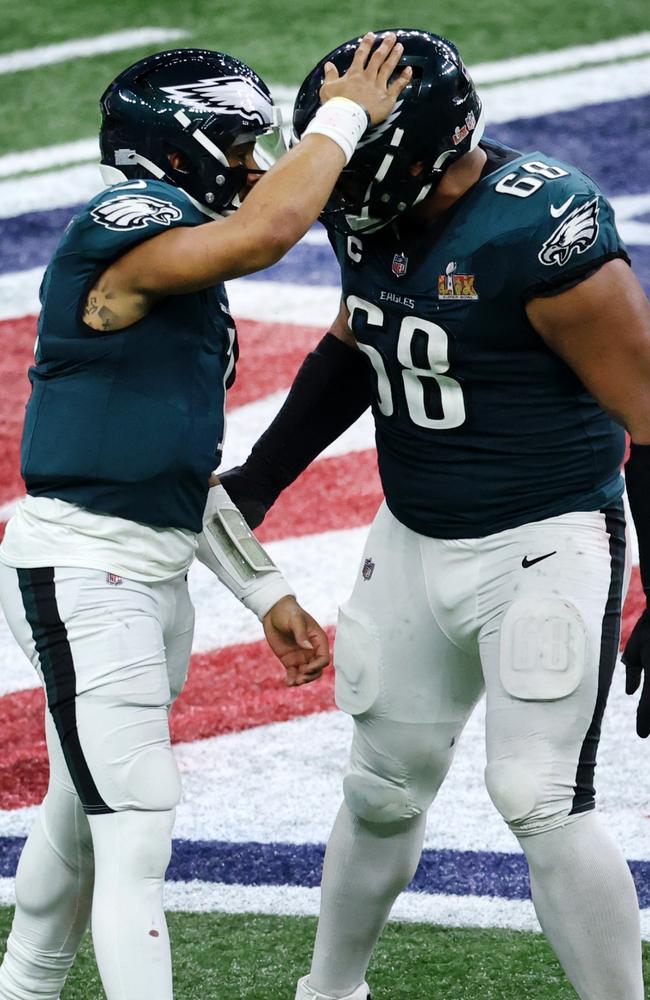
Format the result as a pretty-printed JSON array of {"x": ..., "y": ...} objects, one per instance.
[
  {"x": 279, "y": 38},
  {"x": 234, "y": 957}
]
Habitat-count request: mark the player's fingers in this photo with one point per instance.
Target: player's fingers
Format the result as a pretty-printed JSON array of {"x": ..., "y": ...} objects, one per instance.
[
  {"x": 363, "y": 51},
  {"x": 643, "y": 711},
  {"x": 298, "y": 628},
  {"x": 293, "y": 677},
  {"x": 330, "y": 73},
  {"x": 381, "y": 53},
  {"x": 632, "y": 678},
  {"x": 400, "y": 82},
  {"x": 389, "y": 64},
  {"x": 296, "y": 658},
  {"x": 307, "y": 678}
]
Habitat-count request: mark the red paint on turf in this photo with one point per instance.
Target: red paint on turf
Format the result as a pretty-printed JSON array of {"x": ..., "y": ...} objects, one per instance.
[
  {"x": 333, "y": 494},
  {"x": 270, "y": 355},
  {"x": 17, "y": 338},
  {"x": 228, "y": 690}
]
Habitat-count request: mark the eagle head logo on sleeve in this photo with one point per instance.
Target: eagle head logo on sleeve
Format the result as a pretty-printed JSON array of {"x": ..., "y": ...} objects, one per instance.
[
  {"x": 135, "y": 211},
  {"x": 578, "y": 232}
]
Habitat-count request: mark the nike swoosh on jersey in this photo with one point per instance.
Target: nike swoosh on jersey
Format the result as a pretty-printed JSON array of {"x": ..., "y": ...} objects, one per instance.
[
  {"x": 526, "y": 562},
  {"x": 557, "y": 212}
]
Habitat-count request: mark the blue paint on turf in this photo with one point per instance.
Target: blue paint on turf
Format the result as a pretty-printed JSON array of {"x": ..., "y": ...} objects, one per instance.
[
  {"x": 445, "y": 872},
  {"x": 608, "y": 141}
]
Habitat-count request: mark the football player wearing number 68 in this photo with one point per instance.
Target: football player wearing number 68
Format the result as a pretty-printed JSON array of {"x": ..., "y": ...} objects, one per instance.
[
  {"x": 490, "y": 318},
  {"x": 123, "y": 429}
]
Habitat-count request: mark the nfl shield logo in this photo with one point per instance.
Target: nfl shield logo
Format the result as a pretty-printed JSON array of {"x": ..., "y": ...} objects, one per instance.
[
  {"x": 400, "y": 263},
  {"x": 368, "y": 569}
]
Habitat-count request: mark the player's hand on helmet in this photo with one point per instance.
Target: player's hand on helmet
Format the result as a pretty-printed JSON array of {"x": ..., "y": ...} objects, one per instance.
[
  {"x": 636, "y": 657},
  {"x": 368, "y": 80},
  {"x": 297, "y": 640}
]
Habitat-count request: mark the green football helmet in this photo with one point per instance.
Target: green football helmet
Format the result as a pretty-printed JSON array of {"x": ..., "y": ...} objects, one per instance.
[{"x": 195, "y": 102}]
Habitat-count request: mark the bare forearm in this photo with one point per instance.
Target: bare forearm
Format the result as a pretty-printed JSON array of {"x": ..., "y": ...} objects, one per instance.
[{"x": 282, "y": 207}]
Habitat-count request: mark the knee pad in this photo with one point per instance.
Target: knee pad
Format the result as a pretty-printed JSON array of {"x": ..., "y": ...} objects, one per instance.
[
  {"x": 512, "y": 789},
  {"x": 528, "y": 802},
  {"x": 356, "y": 662},
  {"x": 153, "y": 781},
  {"x": 378, "y": 800},
  {"x": 396, "y": 769},
  {"x": 543, "y": 649}
]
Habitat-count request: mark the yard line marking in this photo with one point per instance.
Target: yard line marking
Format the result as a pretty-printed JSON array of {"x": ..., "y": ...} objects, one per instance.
[
  {"x": 561, "y": 59},
  {"x": 77, "y": 48},
  {"x": 505, "y": 102},
  {"x": 48, "y": 157},
  {"x": 528, "y": 99},
  {"x": 71, "y": 186}
]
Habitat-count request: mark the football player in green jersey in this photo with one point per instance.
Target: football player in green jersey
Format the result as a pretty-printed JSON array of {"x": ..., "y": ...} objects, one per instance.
[
  {"x": 123, "y": 427},
  {"x": 490, "y": 317}
]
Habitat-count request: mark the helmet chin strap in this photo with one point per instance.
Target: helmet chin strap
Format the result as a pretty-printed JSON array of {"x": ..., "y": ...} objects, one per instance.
[{"x": 113, "y": 175}]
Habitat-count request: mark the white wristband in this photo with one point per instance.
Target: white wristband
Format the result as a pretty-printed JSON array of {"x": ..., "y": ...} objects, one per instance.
[
  {"x": 228, "y": 547},
  {"x": 342, "y": 120}
]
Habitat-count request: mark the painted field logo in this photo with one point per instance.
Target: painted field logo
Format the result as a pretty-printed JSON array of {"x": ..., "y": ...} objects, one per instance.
[{"x": 456, "y": 287}]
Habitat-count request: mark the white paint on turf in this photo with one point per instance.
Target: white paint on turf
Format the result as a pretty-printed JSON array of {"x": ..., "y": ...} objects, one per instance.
[
  {"x": 529, "y": 98},
  {"x": 42, "y": 192},
  {"x": 561, "y": 59},
  {"x": 79, "y": 48},
  {"x": 414, "y": 907},
  {"x": 47, "y": 157},
  {"x": 290, "y": 786},
  {"x": 504, "y": 102}
]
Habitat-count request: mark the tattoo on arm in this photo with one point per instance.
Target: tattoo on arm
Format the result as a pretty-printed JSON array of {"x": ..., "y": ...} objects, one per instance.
[{"x": 95, "y": 307}]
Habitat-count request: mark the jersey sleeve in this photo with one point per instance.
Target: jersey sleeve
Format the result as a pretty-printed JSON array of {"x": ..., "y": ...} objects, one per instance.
[
  {"x": 571, "y": 233},
  {"x": 126, "y": 214}
]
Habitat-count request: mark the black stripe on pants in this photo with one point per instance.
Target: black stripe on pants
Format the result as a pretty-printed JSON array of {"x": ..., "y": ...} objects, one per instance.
[
  {"x": 584, "y": 797},
  {"x": 55, "y": 656}
]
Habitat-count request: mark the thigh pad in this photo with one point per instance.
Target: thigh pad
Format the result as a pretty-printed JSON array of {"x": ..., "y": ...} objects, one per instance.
[
  {"x": 543, "y": 649},
  {"x": 356, "y": 661}
]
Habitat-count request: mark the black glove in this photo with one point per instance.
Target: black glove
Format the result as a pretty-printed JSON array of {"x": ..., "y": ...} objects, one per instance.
[
  {"x": 244, "y": 491},
  {"x": 636, "y": 658}
]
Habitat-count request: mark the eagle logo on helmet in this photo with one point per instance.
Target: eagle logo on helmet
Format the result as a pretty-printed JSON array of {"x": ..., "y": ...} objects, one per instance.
[
  {"x": 135, "y": 211},
  {"x": 577, "y": 232},
  {"x": 229, "y": 95}
]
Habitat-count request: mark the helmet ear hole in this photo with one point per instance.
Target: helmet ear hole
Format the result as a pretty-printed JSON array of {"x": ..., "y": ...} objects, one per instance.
[{"x": 177, "y": 160}]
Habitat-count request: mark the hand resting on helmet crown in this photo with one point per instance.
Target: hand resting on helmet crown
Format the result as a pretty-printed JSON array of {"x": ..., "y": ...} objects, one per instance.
[{"x": 368, "y": 80}]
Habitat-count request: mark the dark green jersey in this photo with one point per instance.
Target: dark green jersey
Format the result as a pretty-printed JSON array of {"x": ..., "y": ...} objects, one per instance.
[
  {"x": 127, "y": 423},
  {"x": 479, "y": 426}
]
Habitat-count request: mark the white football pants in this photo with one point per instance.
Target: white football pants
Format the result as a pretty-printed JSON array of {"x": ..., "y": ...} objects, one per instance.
[
  {"x": 112, "y": 655},
  {"x": 532, "y": 616}
]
